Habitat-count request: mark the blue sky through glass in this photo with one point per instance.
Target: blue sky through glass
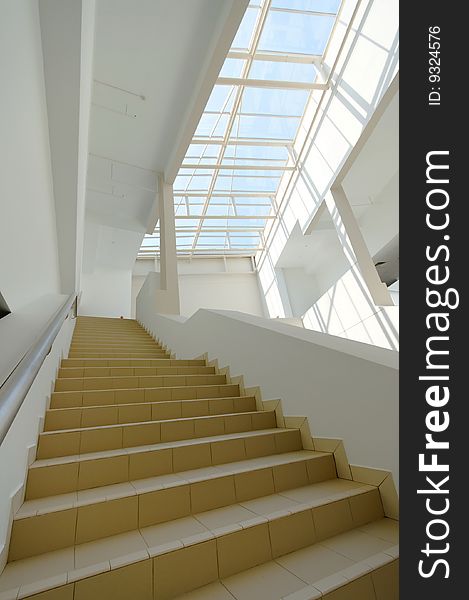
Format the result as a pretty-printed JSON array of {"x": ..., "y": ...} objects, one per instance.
[{"x": 248, "y": 127}]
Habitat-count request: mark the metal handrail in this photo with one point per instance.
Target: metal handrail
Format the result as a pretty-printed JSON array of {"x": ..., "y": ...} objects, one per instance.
[{"x": 17, "y": 385}]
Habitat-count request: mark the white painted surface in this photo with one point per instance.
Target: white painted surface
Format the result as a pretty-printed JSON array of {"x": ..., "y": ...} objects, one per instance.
[
  {"x": 346, "y": 389},
  {"x": 363, "y": 73},
  {"x": 210, "y": 283},
  {"x": 67, "y": 28},
  {"x": 19, "y": 330},
  {"x": 28, "y": 239},
  {"x": 106, "y": 293},
  {"x": 347, "y": 310},
  {"x": 155, "y": 62},
  {"x": 22, "y": 436}
]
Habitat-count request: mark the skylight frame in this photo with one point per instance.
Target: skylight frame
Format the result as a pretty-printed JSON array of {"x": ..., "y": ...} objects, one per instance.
[{"x": 204, "y": 168}]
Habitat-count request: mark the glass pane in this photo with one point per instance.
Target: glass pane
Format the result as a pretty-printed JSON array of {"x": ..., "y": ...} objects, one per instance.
[
  {"x": 232, "y": 67},
  {"x": 243, "y": 184},
  {"x": 212, "y": 125},
  {"x": 221, "y": 98},
  {"x": 283, "y": 71},
  {"x": 205, "y": 150},
  {"x": 220, "y": 209},
  {"x": 243, "y": 37},
  {"x": 247, "y": 210},
  {"x": 274, "y": 102},
  {"x": 295, "y": 32},
  {"x": 275, "y": 152},
  {"x": 331, "y": 6},
  {"x": 262, "y": 127},
  {"x": 186, "y": 223}
]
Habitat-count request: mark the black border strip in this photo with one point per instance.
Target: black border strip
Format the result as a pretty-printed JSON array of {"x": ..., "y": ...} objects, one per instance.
[{"x": 432, "y": 127}]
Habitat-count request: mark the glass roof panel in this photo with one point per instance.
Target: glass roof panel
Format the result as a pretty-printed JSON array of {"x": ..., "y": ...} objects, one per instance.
[
  {"x": 283, "y": 71},
  {"x": 331, "y": 6},
  {"x": 225, "y": 189},
  {"x": 274, "y": 101},
  {"x": 296, "y": 32},
  {"x": 246, "y": 29}
]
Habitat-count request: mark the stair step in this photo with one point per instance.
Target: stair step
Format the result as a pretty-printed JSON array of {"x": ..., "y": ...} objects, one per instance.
[
  {"x": 164, "y": 498},
  {"x": 253, "y": 478},
  {"x": 89, "y": 416},
  {"x": 149, "y": 561},
  {"x": 80, "y": 372},
  {"x": 62, "y": 475},
  {"x": 126, "y": 396},
  {"x": 126, "y": 362},
  {"x": 155, "y": 479},
  {"x": 72, "y": 384},
  {"x": 126, "y": 435},
  {"x": 117, "y": 354},
  {"x": 315, "y": 571}
]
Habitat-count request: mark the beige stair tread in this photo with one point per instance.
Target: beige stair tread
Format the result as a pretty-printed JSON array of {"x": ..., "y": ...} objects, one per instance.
[
  {"x": 136, "y": 423},
  {"x": 120, "y": 490},
  {"x": 226, "y": 405},
  {"x": 65, "y": 372},
  {"x": 132, "y": 389},
  {"x": 326, "y": 558},
  {"x": 136, "y": 404},
  {"x": 140, "y": 361},
  {"x": 295, "y": 576},
  {"x": 136, "y": 382},
  {"x": 149, "y": 447}
]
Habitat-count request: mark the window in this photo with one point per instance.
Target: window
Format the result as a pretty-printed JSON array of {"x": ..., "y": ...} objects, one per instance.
[{"x": 224, "y": 194}]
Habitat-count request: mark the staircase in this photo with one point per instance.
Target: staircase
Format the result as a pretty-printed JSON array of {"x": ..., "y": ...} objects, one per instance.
[{"x": 158, "y": 478}]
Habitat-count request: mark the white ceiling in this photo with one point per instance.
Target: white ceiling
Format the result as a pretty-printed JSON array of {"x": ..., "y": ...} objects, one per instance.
[{"x": 151, "y": 58}]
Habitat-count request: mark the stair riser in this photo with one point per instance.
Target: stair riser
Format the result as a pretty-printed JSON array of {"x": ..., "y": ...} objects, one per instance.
[
  {"x": 85, "y": 474},
  {"x": 74, "y": 418},
  {"x": 150, "y": 381},
  {"x": 124, "y": 362},
  {"x": 154, "y": 507},
  {"x": 116, "y": 354},
  {"x": 282, "y": 534},
  {"x": 131, "y": 347},
  {"x": 110, "y": 397},
  {"x": 80, "y": 372},
  {"x": 52, "y": 445}
]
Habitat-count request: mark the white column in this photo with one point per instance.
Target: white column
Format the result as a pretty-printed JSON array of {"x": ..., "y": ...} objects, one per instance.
[
  {"x": 355, "y": 248},
  {"x": 167, "y": 297}
]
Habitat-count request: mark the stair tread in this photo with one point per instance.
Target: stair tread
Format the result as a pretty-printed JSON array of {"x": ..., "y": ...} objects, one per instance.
[
  {"x": 149, "y": 447},
  {"x": 300, "y": 574},
  {"x": 136, "y": 423},
  {"x": 132, "y": 404},
  {"x": 53, "y": 569},
  {"x": 120, "y": 490},
  {"x": 275, "y": 522}
]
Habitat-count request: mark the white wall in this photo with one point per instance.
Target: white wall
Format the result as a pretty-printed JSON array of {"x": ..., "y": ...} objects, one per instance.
[
  {"x": 106, "y": 293},
  {"x": 18, "y": 448},
  {"x": 28, "y": 239},
  {"x": 347, "y": 310},
  {"x": 366, "y": 68},
  {"x": 210, "y": 283},
  {"x": 346, "y": 389},
  {"x": 67, "y": 38}
]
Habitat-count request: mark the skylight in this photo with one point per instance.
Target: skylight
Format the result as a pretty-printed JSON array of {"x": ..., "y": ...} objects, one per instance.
[{"x": 224, "y": 194}]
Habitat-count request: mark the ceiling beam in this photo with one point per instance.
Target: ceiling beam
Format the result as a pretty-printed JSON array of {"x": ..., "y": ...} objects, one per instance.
[
  {"x": 239, "y": 167},
  {"x": 235, "y": 13},
  {"x": 309, "y": 59},
  {"x": 272, "y": 83}
]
